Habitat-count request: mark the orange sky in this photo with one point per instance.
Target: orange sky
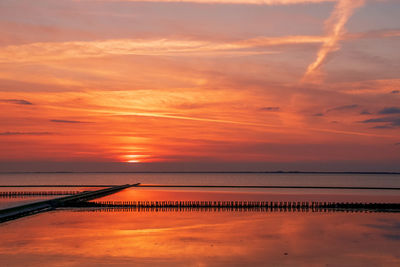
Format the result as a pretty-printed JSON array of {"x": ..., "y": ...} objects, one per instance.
[{"x": 281, "y": 81}]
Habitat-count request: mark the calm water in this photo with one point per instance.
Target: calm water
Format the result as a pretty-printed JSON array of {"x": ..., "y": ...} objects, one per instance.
[
  {"x": 365, "y": 180},
  {"x": 72, "y": 238},
  {"x": 371, "y": 180},
  {"x": 97, "y": 237}
]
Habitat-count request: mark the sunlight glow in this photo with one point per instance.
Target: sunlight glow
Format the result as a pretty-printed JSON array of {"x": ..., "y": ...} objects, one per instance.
[{"x": 134, "y": 158}]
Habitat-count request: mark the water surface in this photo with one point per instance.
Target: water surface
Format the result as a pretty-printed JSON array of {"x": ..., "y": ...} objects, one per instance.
[
  {"x": 72, "y": 238},
  {"x": 101, "y": 237}
]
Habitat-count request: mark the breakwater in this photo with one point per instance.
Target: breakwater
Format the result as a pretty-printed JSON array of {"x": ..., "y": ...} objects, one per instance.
[
  {"x": 245, "y": 205},
  {"x": 51, "y": 204},
  {"x": 192, "y": 209}
]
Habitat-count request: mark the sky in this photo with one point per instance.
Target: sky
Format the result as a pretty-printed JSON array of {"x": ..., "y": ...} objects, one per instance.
[{"x": 227, "y": 85}]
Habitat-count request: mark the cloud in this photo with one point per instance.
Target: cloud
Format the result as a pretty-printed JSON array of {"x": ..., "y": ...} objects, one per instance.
[
  {"x": 342, "y": 108},
  {"x": 270, "y": 109},
  {"x": 395, "y": 91},
  {"x": 382, "y": 127},
  {"x": 16, "y": 101},
  {"x": 339, "y": 108},
  {"x": 39, "y": 51},
  {"x": 397, "y": 144},
  {"x": 394, "y": 237},
  {"x": 282, "y": 40},
  {"x": 335, "y": 32},
  {"x": 24, "y": 133},
  {"x": 365, "y": 112},
  {"x": 91, "y": 49},
  {"x": 190, "y": 105},
  {"x": 383, "y": 33},
  {"x": 246, "y": 2},
  {"x": 390, "y": 122},
  {"x": 68, "y": 121},
  {"x": 390, "y": 110}
]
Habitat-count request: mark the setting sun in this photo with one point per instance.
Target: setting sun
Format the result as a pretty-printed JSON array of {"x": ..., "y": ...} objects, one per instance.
[{"x": 134, "y": 158}]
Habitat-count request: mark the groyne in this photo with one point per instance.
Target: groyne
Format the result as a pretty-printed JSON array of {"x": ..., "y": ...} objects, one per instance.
[
  {"x": 47, "y": 205},
  {"x": 216, "y": 210},
  {"x": 245, "y": 205}
]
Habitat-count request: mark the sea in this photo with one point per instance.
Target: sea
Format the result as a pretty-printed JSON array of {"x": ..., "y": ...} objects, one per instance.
[{"x": 204, "y": 237}]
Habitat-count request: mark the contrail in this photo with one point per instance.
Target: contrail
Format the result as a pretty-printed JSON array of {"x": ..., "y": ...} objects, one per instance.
[{"x": 335, "y": 28}]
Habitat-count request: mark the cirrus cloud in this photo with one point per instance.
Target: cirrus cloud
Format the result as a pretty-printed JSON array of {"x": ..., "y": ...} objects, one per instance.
[
  {"x": 68, "y": 121},
  {"x": 16, "y": 101},
  {"x": 24, "y": 133}
]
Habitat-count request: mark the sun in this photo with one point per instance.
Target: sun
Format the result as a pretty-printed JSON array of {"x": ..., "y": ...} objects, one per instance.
[{"x": 134, "y": 158}]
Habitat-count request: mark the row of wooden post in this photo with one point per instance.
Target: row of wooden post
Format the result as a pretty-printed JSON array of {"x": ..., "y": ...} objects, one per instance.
[
  {"x": 242, "y": 204},
  {"x": 222, "y": 209},
  {"x": 37, "y": 193}
]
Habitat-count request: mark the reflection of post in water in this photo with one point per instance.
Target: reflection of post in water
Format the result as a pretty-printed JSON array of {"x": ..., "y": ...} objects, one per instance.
[{"x": 241, "y": 206}]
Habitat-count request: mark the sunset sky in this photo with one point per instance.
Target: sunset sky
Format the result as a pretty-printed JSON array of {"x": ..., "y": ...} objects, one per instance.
[{"x": 247, "y": 84}]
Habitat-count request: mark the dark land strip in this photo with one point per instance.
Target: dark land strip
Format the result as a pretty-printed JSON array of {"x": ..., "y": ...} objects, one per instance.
[{"x": 229, "y": 172}]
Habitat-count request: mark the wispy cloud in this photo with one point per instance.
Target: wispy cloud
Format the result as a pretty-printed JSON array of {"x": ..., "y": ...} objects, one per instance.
[
  {"x": 24, "y": 133},
  {"x": 16, "y": 101},
  {"x": 40, "y": 51},
  {"x": 346, "y": 107},
  {"x": 270, "y": 109},
  {"x": 395, "y": 91},
  {"x": 382, "y": 127},
  {"x": 68, "y": 121},
  {"x": 384, "y": 33},
  {"x": 92, "y": 49},
  {"x": 390, "y": 122},
  {"x": 390, "y": 110},
  {"x": 365, "y": 112},
  {"x": 335, "y": 28},
  {"x": 273, "y": 127},
  {"x": 283, "y": 40}
]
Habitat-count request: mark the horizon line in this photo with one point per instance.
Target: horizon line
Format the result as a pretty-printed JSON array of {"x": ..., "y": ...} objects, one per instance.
[{"x": 233, "y": 172}]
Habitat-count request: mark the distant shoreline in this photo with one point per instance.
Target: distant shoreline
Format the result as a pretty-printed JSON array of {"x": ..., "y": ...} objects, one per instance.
[{"x": 214, "y": 172}]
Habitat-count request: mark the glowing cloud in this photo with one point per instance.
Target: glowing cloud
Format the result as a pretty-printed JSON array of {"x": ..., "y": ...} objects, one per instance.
[{"x": 64, "y": 50}]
